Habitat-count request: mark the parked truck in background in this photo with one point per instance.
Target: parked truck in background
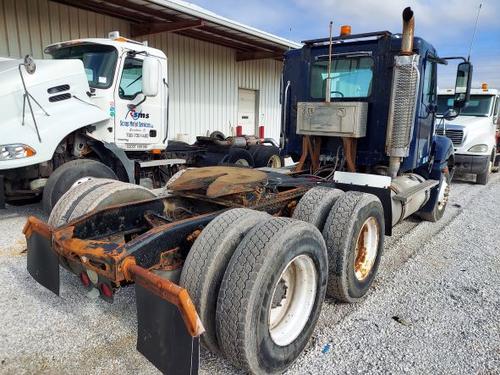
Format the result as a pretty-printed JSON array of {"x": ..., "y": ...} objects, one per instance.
[
  {"x": 241, "y": 259},
  {"x": 98, "y": 108},
  {"x": 473, "y": 131}
]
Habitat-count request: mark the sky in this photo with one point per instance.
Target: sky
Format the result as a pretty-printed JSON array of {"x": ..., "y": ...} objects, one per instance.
[{"x": 446, "y": 24}]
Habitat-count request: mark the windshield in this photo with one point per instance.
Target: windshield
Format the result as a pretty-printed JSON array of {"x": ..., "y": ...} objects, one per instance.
[
  {"x": 98, "y": 60},
  {"x": 350, "y": 78},
  {"x": 478, "y": 105}
]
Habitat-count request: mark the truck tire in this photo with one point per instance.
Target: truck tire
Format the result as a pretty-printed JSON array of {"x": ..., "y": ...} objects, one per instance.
[
  {"x": 266, "y": 156},
  {"x": 354, "y": 236},
  {"x": 483, "y": 178},
  {"x": 315, "y": 205},
  {"x": 238, "y": 156},
  {"x": 271, "y": 295},
  {"x": 443, "y": 196},
  {"x": 109, "y": 195},
  {"x": 69, "y": 174},
  {"x": 217, "y": 135},
  {"x": 92, "y": 195},
  {"x": 62, "y": 210},
  {"x": 207, "y": 261}
]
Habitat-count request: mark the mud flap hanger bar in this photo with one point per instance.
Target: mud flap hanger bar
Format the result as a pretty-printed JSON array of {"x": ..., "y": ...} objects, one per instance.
[{"x": 168, "y": 324}]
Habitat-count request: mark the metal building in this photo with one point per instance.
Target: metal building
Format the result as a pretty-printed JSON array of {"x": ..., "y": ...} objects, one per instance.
[{"x": 221, "y": 73}]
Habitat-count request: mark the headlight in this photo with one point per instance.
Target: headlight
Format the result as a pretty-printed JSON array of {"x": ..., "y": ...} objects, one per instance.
[
  {"x": 15, "y": 151},
  {"x": 479, "y": 148}
]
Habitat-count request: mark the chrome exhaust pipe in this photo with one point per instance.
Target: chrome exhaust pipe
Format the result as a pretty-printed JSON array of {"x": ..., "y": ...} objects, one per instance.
[
  {"x": 405, "y": 85},
  {"x": 408, "y": 32}
]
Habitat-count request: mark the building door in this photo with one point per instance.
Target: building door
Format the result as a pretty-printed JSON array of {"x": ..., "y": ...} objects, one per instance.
[{"x": 247, "y": 111}]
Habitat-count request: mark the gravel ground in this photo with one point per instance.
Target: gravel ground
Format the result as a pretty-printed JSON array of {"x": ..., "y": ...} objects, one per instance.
[{"x": 434, "y": 308}]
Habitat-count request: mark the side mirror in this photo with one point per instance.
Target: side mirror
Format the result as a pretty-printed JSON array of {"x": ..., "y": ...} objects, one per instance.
[
  {"x": 150, "y": 76},
  {"x": 463, "y": 85},
  {"x": 450, "y": 114}
]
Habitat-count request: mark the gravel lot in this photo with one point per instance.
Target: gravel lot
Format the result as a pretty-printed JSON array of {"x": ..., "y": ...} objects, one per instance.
[{"x": 434, "y": 308}]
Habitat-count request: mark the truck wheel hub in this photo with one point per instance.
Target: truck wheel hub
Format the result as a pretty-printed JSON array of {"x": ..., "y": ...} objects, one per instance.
[
  {"x": 366, "y": 248},
  {"x": 292, "y": 300}
]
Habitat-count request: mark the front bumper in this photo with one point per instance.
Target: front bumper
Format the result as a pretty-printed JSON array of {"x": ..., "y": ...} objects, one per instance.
[
  {"x": 168, "y": 323},
  {"x": 471, "y": 163}
]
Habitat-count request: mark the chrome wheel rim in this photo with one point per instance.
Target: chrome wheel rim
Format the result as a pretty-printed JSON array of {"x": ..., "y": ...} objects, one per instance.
[
  {"x": 292, "y": 300},
  {"x": 274, "y": 162},
  {"x": 444, "y": 192},
  {"x": 366, "y": 248}
]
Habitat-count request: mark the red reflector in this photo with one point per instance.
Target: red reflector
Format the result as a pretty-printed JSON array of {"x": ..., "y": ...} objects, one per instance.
[
  {"x": 85, "y": 279},
  {"x": 261, "y": 132},
  {"x": 106, "y": 290}
]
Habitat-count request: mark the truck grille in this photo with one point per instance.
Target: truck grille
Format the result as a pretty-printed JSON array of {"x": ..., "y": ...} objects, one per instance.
[{"x": 456, "y": 136}]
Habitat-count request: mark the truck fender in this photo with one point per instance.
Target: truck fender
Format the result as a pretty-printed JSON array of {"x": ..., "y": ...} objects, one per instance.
[
  {"x": 442, "y": 153},
  {"x": 111, "y": 155}
]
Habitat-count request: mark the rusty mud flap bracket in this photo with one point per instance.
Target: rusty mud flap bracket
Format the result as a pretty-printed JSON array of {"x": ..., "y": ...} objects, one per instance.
[{"x": 43, "y": 262}]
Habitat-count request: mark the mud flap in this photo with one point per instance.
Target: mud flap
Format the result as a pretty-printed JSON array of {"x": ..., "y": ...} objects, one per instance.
[
  {"x": 162, "y": 336},
  {"x": 43, "y": 262}
]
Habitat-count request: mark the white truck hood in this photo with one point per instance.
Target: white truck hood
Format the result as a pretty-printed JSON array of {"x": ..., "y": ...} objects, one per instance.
[
  {"x": 476, "y": 130},
  {"x": 60, "y": 87},
  {"x": 470, "y": 122}
]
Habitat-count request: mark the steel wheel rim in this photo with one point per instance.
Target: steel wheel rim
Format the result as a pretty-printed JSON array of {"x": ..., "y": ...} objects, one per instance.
[
  {"x": 81, "y": 181},
  {"x": 444, "y": 192},
  {"x": 274, "y": 162},
  {"x": 293, "y": 305},
  {"x": 366, "y": 248},
  {"x": 242, "y": 162}
]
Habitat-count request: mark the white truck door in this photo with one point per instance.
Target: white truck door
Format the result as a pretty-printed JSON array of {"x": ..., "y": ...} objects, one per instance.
[{"x": 139, "y": 123}]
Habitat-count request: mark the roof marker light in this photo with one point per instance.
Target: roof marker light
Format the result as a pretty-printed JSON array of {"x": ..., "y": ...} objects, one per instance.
[{"x": 345, "y": 30}]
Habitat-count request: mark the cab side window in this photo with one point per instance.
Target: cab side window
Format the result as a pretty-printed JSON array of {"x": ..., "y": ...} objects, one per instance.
[
  {"x": 131, "y": 81},
  {"x": 428, "y": 91},
  {"x": 496, "y": 111}
]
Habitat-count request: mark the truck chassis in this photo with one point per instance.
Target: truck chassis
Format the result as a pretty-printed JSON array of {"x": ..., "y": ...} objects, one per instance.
[{"x": 142, "y": 242}]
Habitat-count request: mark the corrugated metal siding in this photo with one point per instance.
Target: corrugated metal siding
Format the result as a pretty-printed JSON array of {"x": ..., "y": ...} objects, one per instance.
[
  {"x": 203, "y": 78},
  {"x": 28, "y": 26}
]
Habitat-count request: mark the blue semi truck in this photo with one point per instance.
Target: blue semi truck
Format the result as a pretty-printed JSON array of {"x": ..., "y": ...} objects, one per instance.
[{"x": 241, "y": 259}]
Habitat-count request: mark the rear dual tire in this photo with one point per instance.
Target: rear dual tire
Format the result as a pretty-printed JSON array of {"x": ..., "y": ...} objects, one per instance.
[
  {"x": 207, "y": 261},
  {"x": 69, "y": 175},
  {"x": 248, "y": 274},
  {"x": 252, "y": 333},
  {"x": 94, "y": 195},
  {"x": 354, "y": 236}
]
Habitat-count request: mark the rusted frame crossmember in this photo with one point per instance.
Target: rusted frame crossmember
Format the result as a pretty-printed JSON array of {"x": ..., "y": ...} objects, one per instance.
[{"x": 163, "y": 288}]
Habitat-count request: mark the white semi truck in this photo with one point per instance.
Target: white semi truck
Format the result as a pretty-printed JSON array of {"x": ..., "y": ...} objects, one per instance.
[
  {"x": 98, "y": 108},
  {"x": 473, "y": 131}
]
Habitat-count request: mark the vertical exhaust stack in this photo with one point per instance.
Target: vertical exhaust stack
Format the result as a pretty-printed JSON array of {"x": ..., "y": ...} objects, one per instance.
[
  {"x": 405, "y": 85},
  {"x": 408, "y": 32}
]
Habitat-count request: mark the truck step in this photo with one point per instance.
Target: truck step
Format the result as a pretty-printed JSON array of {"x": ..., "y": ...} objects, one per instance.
[
  {"x": 426, "y": 185},
  {"x": 157, "y": 163}
]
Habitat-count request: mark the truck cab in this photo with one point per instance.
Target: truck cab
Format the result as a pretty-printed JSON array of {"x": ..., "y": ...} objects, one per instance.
[
  {"x": 99, "y": 99},
  {"x": 366, "y": 104},
  {"x": 114, "y": 71},
  {"x": 472, "y": 131}
]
